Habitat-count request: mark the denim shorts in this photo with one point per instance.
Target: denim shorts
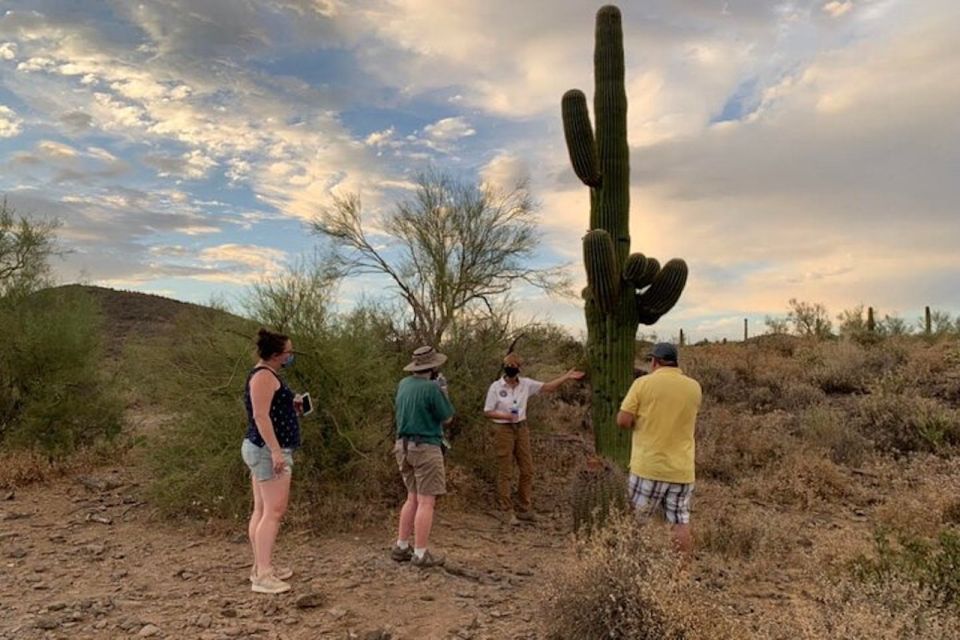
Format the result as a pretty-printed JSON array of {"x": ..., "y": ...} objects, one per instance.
[{"x": 260, "y": 463}]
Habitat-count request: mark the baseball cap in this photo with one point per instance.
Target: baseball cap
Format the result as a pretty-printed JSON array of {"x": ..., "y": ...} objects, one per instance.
[{"x": 663, "y": 351}]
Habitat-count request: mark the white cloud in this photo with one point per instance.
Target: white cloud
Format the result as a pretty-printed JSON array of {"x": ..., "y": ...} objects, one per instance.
[
  {"x": 241, "y": 264},
  {"x": 8, "y": 50},
  {"x": 10, "y": 124},
  {"x": 836, "y": 9},
  {"x": 380, "y": 138},
  {"x": 505, "y": 171},
  {"x": 449, "y": 129}
]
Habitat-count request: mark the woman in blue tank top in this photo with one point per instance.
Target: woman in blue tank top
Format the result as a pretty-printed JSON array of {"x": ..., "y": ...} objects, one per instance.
[{"x": 273, "y": 432}]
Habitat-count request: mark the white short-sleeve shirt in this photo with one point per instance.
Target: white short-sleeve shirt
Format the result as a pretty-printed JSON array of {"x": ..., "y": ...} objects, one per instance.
[{"x": 501, "y": 396}]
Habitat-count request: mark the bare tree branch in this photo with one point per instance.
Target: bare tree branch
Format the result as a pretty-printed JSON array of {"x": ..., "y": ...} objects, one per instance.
[{"x": 449, "y": 248}]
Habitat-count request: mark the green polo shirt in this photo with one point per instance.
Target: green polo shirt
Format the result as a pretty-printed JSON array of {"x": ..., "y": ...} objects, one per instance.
[{"x": 421, "y": 410}]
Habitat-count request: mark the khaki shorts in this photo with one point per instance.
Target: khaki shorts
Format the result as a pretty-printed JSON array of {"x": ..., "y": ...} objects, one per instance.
[{"x": 421, "y": 466}]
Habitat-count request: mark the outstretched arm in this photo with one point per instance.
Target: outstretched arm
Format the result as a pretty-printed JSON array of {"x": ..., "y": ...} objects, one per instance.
[{"x": 553, "y": 385}]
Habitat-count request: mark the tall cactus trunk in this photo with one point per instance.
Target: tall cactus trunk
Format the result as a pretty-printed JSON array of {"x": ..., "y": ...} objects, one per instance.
[
  {"x": 624, "y": 289},
  {"x": 610, "y": 349}
]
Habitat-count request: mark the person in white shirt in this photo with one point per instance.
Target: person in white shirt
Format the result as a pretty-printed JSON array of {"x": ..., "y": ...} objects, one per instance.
[{"x": 506, "y": 406}]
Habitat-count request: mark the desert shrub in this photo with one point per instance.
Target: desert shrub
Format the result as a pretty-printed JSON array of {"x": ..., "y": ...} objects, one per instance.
[
  {"x": 351, "y": 364},
  {"x": 891, "y": 610},
  {"x": 951, "y": 512},
  {"x": 716, "y": 378},
  {"x": 731, "y": 445},
  {"x": 802, "y": 478},
  {"x": 933, "y": 567},
  {"x": 343, "y": 468},
  {"x": 915, "y": 512},
  {"x": 901, "y": 423},
  {"x": 797, "y": 395},
  {"x": 827, "y": 428},
  {"x": 625, "y": 585},
  {"x": 839, "y": 368},
  {"x": 731, "y": 535},
  {"x": 55, "y": 393}
]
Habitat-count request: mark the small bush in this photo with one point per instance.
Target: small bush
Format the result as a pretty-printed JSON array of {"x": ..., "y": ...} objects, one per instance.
[
  {"x": 802, "y": 479},
  {"x": 731, "y": 445},
  {"x": 625, "y": 586},
  {"x": 934, "y": 568},
  {"x": 951, "y": 512},
  {"x": 731, "y": 535},
  {"x": 840, "y": 368},
  {"x": 827, "y": 428},
  {"x": 902, "y": 423},
  {"x": 55, "y": 394}
]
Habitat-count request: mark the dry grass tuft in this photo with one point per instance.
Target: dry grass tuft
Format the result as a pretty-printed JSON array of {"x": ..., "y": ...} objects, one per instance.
[{"x": 625, "y": 586}]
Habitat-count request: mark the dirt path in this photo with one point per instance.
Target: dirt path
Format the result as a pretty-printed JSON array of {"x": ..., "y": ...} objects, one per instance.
[{"x": 82, "y": 560}]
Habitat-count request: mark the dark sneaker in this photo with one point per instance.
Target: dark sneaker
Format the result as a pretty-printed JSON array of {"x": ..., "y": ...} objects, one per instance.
[
  {"x": 401, "y": 555},
  {"x": 428, "y": 560},
  {"x": 527, "y": 516}
]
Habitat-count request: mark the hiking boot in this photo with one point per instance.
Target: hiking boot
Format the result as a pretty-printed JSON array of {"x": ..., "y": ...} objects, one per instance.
[
  {"x": 281, "y": 573},
  {"x": 269, "y": 584},
  {"x": 401, "y": 555},
  {"x": 428, "y": 560},
  {"x": 527, "y": 516}
]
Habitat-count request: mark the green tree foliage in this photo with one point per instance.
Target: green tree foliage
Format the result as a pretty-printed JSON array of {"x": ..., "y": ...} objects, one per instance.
[
  {"x": 54, "y": 393},
  {"x": 25, "y": 249},
  {"x": 809, "y": 319}
]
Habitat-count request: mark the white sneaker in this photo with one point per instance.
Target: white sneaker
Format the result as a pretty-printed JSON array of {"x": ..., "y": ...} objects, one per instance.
[
  {"x": 283, "y": 573},
  {"x": 269, "y": 584}
]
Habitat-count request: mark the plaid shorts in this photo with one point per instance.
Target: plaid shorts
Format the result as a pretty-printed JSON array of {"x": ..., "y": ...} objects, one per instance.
[{"x": 649, "y": 495}]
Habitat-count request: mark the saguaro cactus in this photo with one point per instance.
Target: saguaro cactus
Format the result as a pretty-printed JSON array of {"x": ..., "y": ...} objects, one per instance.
[{"x": 624, "y": 289}]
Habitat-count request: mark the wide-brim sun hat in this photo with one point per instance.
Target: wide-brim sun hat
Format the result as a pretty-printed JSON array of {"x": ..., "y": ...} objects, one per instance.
[{"x": 425, "y": 358}]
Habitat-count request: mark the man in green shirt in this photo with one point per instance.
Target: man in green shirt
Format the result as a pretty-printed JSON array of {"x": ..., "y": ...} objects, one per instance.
[{"x": 421, "y": 409}]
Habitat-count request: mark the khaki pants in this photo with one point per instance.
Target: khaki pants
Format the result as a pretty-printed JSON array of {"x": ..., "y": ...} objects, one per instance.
[{"x": 512, "y": 442}]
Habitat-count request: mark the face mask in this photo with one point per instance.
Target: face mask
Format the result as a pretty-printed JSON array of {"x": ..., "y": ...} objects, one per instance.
[
  {"x": 288, "y": 361},
  {"x": 511, "y": 371}
]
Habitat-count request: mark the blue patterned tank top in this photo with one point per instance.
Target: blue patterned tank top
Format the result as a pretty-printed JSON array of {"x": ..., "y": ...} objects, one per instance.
[{"x": 286, "y": 423}]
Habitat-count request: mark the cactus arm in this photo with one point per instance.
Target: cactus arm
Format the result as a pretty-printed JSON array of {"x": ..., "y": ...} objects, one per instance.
[
  {"x": 640, "y": 270},
  {"x": 579, "y": 136},
  {"x": 664, "y": 291},
  {"x": 603, "y": 269}
]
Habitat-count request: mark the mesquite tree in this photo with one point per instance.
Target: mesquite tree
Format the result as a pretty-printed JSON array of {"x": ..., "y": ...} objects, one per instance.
[{"x": 624, "y": 290}]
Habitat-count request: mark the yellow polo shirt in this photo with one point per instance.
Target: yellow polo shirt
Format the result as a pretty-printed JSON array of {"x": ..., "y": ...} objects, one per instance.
[{"x": 665, "y": 403}]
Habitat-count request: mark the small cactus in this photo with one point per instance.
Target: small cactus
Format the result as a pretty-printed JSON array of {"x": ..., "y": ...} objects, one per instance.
[
  {"x": 871, "y": 323},
  {"x": 599, "y": 491}
]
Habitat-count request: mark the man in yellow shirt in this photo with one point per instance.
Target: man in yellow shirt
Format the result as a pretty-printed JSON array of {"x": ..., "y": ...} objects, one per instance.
[{"x": 661, "y": 408}]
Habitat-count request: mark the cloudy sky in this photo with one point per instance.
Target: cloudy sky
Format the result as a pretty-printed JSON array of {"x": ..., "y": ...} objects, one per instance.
[{"x": 806, "y": 149}]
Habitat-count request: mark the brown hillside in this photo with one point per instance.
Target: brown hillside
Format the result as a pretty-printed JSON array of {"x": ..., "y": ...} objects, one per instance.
[{"x": 132, "y": 313}]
